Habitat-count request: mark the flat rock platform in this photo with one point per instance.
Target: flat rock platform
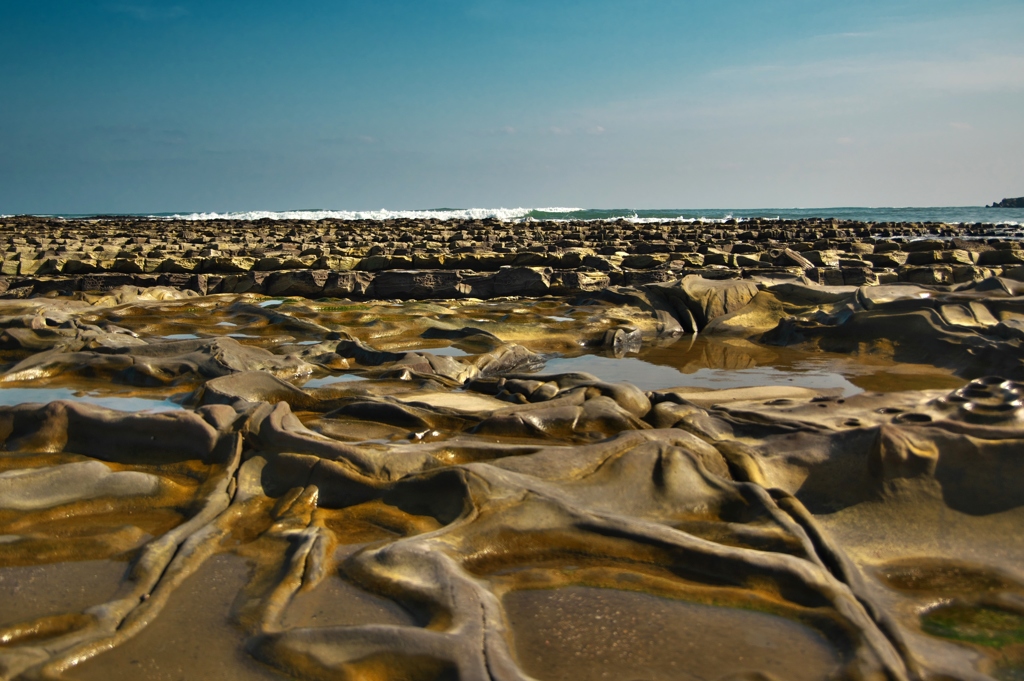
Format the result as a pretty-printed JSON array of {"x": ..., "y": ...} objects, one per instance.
[
  {"x": 484, "y": 259},
  {"x": 485, "y": 451}
]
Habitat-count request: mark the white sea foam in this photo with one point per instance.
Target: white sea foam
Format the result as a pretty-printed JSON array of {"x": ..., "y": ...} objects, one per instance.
[
  {"x": 504, "y": 214},
  {"x": 950, "y": 216},
  {"x": 510, "y": 214}
]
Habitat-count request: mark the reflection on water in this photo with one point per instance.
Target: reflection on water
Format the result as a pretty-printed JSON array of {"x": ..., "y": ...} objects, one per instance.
[
  {"x": 447, "y": 351},
  {"x": 647, "y": 376},
  {"x": 329, "y": 380},
  {"x": 717, "y": 364},
  {"x": 15, "y": 396}
]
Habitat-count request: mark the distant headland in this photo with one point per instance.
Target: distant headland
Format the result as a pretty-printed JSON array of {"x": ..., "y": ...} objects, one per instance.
[{"x": 1010, "y": 203}]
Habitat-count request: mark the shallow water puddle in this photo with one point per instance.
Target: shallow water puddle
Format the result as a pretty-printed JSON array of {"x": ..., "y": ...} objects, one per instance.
[
  {"x": 647, "y": 376},
  {"x": 447, "y": 351},
  {"x": 15, "y": 396},
  {"x": 586, "y": 634},
  {"x": 865, "y": 371},
  {"x": 331, "y": 380},
  {"x": 719, "y": 364}
]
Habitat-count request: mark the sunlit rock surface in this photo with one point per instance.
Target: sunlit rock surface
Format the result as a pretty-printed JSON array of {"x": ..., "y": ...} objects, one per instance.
[{"x": 687, "y": 477}]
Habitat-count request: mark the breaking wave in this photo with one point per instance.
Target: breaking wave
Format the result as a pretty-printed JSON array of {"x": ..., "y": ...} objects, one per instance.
[
  {"x": 1010, "y": 217},
  {"x": 507, "y": 214}
]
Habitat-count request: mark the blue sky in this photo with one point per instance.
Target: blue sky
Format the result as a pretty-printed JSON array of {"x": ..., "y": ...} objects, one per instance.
[{"x": 180, "y": 105}]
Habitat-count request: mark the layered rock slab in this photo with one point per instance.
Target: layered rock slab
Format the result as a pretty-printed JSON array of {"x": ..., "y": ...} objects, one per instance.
[{"x": 459, "y": 486}]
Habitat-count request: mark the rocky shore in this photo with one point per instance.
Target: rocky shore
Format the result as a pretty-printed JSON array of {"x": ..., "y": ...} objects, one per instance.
[
  {"x": 754, "y": 451},
  {"x": 485, "y": 259}
]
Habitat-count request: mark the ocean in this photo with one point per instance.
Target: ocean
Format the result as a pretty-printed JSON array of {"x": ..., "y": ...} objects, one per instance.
[{"x": 945, "y": 214}]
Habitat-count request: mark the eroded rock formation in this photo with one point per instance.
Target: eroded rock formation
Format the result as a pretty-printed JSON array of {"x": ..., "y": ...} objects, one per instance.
[{"x": 352, "y": 489}]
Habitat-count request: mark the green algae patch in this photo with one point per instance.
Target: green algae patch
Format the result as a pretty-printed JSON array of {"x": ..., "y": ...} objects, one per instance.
[{"x": 982, "y": 625}]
